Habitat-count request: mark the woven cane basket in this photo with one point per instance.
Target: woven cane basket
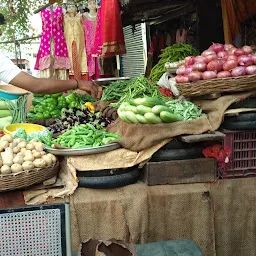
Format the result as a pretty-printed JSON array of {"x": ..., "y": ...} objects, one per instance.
[
  {"x": 218, "y": 85},
  {"x": 25, "y": 179}
]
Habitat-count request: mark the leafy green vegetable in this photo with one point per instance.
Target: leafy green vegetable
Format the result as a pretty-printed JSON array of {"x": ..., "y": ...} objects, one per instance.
[
  {"x": 139, "y": 88},
  {"x": 20, "y": 133},
  {"x": 172, "y": 53}
]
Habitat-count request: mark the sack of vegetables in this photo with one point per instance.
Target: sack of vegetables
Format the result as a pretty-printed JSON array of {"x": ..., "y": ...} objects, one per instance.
[{"x": 24, "y": 163}]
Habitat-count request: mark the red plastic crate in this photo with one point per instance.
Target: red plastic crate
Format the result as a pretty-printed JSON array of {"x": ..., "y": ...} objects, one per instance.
[{"x": 243, "y": 156}]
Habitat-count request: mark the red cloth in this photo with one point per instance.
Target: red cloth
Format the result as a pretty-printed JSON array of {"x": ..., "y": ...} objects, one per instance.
[{"x": 109, "y": 37}]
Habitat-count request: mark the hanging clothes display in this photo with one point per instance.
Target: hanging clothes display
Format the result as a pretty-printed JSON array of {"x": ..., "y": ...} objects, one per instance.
[
  {"x": 89, "y": 22},
  {"x": 109, "y": 39},
  {"x": 181, "y": 36},
  {"x": 52, "y": 58},
  {"x": 74, "y": 34}
]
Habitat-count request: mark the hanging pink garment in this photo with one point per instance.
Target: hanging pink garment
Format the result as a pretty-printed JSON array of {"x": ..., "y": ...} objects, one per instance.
[
  {"x": 52, "y": 31},
  {"x": 97, "y": 47},
  {"x": 181, "y": 37},
  {"x": 89, "y": 28}
]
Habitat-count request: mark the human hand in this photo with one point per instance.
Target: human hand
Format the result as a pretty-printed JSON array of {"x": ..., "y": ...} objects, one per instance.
[{"x": 89, "y": 87}]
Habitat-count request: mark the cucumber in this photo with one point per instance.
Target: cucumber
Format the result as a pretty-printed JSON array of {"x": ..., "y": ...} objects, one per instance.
[
  {"x": 168, "y": 117},
  {"x": 141, "y": 119},
  {"x": 130, "y": 116},
  {"x": 152, "y": 118},
  {"x": 148, "y": 101},
  {"x": 159, "y": 108},
  {"x": 122, "y": 116},
  {"x": 143, "y": 110},
  {"x": 131, "y": 108}
]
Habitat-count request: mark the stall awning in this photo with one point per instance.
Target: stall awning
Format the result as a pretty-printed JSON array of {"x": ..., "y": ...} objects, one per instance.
[{"x": 234, "y": 13}]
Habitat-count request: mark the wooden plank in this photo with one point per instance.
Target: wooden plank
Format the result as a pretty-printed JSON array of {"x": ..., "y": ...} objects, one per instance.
[
  {"x": 179, "y": 171},
  {"x": 203, "y": 137}
]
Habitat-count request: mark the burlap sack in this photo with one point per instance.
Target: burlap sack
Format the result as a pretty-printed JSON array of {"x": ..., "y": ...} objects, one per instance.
[{"x": 137, "y": 137}]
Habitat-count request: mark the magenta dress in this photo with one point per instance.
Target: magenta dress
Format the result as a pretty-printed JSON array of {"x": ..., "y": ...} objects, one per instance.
[
  {"x": 92, "y": 62},
  {"x": 52, "y": 32}
]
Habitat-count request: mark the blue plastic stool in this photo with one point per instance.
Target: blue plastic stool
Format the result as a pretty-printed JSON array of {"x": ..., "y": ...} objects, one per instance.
[{"x": 169, "y": 248}]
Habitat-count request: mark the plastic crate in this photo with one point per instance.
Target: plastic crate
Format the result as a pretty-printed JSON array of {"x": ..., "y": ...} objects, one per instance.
[{"x": 243, "y": 157}]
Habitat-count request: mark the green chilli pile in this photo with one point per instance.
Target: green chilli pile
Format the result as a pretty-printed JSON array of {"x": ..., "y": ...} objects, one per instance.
[{"x": 172, "y": 53}]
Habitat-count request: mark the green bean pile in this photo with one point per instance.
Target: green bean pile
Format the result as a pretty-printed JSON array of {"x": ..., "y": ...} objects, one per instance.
[{"x": 172, "y": 53}]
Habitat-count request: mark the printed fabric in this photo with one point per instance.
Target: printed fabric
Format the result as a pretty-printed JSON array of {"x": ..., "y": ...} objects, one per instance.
[{"x": 52, "y": 31}]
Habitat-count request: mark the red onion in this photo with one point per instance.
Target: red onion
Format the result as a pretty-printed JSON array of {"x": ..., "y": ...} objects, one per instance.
[
  {"x": 223, "y": 74},
  {"x": 232, "y": 57},
  {"x": 217, "y": 47},
  {"x": 228, "y": 46},
  {"x": 188, "y": 69},
  {"x": 232, "y": 50},
  {"x": 207, "y": 52},
  {"x": 215, "y": 65},
  {"x": 210, "y": 57},
  {"x": 181, "y": 79},
  {"x": 247, "y": 49},
  {"x": 254, "y": 59},
  {"x": 199, "y": 59},
  {"x": 194, "y": 76},
  {"x": 222, "y": 55},
  {"x": 239, "y": 52},
  {"x": 245, "y": 60},
  {"x": 189, "y": 60},
  {"x": 250, "y": 70},
  {"x": 238, "y": 71},
  {"x": 209, "y": 75},
  {"x": 200, "y": 66},
  {"x": 229, "y": 64},
  {"x": 181, "y": 70}
]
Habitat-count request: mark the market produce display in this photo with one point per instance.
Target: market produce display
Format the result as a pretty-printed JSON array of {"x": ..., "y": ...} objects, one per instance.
[
  {"x": 115, "y": 90},
  {"x": 150, "y": 110},
  {"x": 85, "y": 136},
  {"x": 174, "y": 53},
  {"x": 137, "y": 88},
  {"x": 75, "y": 116},
  {"x": 50, "y": 106},
  {"x": 219, "y": 61},
  {"x": 12, "y": 111},
  {"x": 17, "y": 155}
]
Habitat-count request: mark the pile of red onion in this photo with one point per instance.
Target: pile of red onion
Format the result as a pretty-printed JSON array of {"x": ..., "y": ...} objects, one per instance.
[{"x": 219, "y": 61}]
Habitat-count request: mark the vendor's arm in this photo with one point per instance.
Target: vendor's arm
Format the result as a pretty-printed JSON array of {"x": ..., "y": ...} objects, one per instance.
[
  {"x": 11, "y": 74},
  {"x": 49, "y": 86}
]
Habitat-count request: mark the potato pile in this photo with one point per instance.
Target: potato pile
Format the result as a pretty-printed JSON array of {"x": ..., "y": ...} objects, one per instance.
[{"x": 17, "y": 155}]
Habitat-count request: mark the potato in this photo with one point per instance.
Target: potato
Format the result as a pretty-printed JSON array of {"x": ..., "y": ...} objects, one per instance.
[
  {"x": 53, "y": 157},
  {"x": 23, "y": 150},
  {"x": 39, "y": 146},
  {"x": 30, "y": 146},
  {"x": 28, "y": 165},
  {"x": 34, "y": 141},
  {"x": 4, "y": 144},
  {"x": 1, "y": 149},
  {"x": 22, "y": 144},
  {"x": 7, "y": 137},
  {"x": 27, "y": 152},
  {"x": 47, "y": 159},
  {"x": 6, "y": 169},
  {"x": 16, "y": 168},
  {"x": 9, "y": 150},
  {"x": 16, "y": 150},
  {"x": 11, "y": 145},
  {"x": 37, "y": 155},
  {"x": 39, "y": 163},
  {"x": 43, "y": 153},
  {"x": 29, "y": 157},
  {"x": 17, "y": 141},
  {"x": 21, "y": 154},
  {"x": 18, "y": 160},
  {"x": 1, "y": 164}
]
